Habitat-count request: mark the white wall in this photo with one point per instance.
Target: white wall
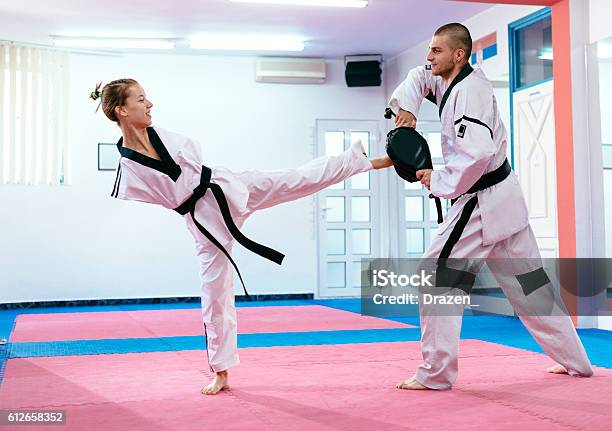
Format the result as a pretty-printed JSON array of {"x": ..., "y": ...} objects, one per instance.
[
  {"x": 607, "y": 177},
  {"x": 588, "y": 176},
  {"x": 605, "y": 99},
  {"x": 605, "y": 96},
  {"x": 599, "y": 19},
  {"x": 75, "y": 242}
]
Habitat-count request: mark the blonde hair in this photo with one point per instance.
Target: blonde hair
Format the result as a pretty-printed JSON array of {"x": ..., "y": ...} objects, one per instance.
[{"x": 112, "y": 95}]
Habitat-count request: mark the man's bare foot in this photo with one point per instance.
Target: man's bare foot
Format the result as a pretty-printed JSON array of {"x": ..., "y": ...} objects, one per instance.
[
  {"x": 412, "y": 384},
  {"x": 381, "y": 162},
  {"x": 557, "y": 369},
  {"x": 219, "y": 383}
]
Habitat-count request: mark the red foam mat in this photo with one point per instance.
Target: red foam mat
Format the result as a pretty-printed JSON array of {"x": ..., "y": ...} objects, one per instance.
[
  {"x": 330, "y": 387},
  {"x": 170, "y": 323}
]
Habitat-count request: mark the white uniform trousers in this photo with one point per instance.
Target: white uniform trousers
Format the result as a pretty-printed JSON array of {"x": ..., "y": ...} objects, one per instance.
[
  {"x": 266, "y": 189},
  {"x": 441, "y": 324}
]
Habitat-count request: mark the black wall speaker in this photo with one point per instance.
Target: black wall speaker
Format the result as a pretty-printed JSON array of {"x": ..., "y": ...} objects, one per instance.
[{"x": 363, "y": 73}]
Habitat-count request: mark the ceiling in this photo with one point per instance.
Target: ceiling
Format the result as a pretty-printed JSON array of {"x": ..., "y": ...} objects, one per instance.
[{"x": 385, "y": 27}]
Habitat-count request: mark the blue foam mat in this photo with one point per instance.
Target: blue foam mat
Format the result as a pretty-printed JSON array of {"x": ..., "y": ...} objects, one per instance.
[{"x": 164, "y": 344}]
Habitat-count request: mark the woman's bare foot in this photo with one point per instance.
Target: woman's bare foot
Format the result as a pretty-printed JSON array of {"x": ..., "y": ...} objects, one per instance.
[
  {"x": 557, "y": 369},
  {"x": 357, "y": 148},
  {"x": 412, "y": 384},
  {"x": 381, "y": 162},
  {"x": 219, "y": 383}
]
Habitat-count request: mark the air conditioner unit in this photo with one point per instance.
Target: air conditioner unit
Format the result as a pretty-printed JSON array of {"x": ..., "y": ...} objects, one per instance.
[{"x": 290, "y": 70}]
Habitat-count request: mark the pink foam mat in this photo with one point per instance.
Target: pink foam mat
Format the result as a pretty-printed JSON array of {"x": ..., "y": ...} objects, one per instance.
[
  {"x": 170, "y": 323},
  {"x": 327, "y": 387}
]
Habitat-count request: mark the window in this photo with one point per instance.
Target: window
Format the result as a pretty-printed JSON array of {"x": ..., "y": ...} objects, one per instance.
[
  {"x": 33, "y": 116},
  {"x": 531, "y": 49}
]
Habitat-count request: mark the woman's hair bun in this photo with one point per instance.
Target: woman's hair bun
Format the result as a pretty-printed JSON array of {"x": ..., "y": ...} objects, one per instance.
[{"x": 96, "y": 94}]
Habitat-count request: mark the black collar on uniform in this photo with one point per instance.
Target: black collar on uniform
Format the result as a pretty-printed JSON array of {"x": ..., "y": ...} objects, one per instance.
[
  {"x": 465, "y": 71},
  {"x": 166, "y": 165}
]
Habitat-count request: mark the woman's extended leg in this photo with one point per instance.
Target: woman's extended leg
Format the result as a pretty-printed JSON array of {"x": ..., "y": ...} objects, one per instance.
[
  {"x": 270, "y": 188},
  {"x": 266, "y": 189}
]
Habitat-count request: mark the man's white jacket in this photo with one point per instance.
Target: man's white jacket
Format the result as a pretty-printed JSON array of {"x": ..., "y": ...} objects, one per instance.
[{"x": 474, "y": 142}]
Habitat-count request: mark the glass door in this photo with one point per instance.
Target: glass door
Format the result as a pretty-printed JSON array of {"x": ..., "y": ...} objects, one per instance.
[{"x": 348, "y": 222}]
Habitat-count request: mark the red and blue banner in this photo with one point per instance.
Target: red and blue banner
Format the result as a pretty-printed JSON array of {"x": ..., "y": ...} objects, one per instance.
[{"x": 484, "y": 48}]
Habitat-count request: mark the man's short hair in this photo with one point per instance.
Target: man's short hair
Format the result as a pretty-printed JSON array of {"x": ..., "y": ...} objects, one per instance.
[{"x": 459, "y": 34}]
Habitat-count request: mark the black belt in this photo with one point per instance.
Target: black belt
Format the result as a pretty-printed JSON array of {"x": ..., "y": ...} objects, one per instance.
[
  {"x": 438, "y": 207},
  {"x": 487, "y": 180},
  {"x": 492, "y": 178},
  {"x": 450, "y": 277},
  {"x": 189, "y": 207}
]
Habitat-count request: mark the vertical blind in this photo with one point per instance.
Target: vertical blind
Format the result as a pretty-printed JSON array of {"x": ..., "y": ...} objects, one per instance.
[{"x": 34, "y": 94}]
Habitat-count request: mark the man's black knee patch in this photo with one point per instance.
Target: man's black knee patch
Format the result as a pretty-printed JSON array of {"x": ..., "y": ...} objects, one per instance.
[
  {"x": 449, "y": 277},
  {"x": 532, "y": 281}
]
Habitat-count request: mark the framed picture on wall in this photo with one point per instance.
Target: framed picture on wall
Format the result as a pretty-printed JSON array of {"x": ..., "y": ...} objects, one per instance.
[{"x": 108, "y": 157}]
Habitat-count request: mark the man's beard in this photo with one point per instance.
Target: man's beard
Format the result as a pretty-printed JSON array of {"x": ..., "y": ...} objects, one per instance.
[{"x": 445, "y": 69}]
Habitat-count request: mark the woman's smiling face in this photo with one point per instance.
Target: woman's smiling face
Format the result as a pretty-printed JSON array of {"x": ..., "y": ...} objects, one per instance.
[{"x": 137, "y": 108}]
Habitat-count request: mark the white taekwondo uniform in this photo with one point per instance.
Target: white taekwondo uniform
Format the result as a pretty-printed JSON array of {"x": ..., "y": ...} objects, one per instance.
[
  {"x": 179, "y": 181},
  {"x": 484, "y": 222}
]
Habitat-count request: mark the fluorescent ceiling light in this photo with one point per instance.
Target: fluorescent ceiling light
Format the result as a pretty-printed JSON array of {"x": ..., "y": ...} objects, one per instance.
[
  {"x": 113, "y": 43},
  {"x": 247, "y": 42},
  {"x": 328, "y": 3}
]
